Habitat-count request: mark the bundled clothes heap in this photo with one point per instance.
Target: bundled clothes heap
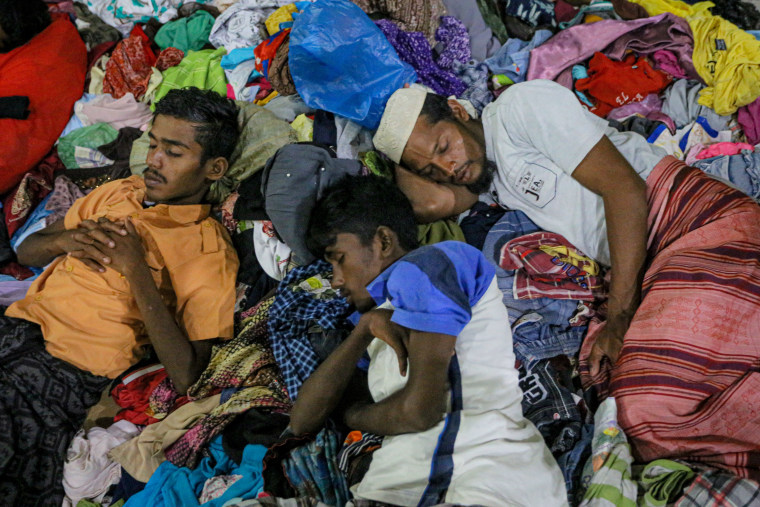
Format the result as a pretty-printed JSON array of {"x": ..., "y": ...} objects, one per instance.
[{"x": 685, "y": 76}]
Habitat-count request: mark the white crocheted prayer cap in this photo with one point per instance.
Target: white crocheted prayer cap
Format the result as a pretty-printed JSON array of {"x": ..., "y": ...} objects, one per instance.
[
  {"x": 400, "y": 116},
  {"x": 396, "y": 125}
]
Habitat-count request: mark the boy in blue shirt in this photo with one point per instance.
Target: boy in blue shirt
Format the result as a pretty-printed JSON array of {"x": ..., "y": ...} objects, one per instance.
[{"x": 442, "y": 387}]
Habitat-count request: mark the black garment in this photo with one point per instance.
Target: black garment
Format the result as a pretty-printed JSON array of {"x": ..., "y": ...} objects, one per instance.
[
  {"x": 250, "y": 204},
  {"x": 476, "y": 225},
  {"x": 742, "y": 14},
  {"x": 549, "y": 404},
  {"x": 14, "y": 108},
  {"x": 325, "y": 132},
  {"x": 6, "y": 252},
  {"x": 256, "y": 426},
  {"x": 43, "y": 402}
]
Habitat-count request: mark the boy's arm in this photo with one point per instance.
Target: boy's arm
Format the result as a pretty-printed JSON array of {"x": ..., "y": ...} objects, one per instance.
[
  {"x": 324, "y": 389},
  {"x": 421, "y": 403},
  {"x": 183, "y": 359}
]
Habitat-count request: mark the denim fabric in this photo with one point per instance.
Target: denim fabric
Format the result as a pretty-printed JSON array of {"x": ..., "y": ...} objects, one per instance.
[
  {"x": 742, "y": 170},
  {"x": 550, "y": 406},
  {"x": 513, "y": 225},
  {"x": 571, "y": 463},
  {"x": 514, "y": 56},
  {"x": 534, "y": 340}
]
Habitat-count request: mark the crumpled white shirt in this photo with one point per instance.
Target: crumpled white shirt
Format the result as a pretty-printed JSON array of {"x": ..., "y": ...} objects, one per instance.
[{"x": 88, "y": 472}]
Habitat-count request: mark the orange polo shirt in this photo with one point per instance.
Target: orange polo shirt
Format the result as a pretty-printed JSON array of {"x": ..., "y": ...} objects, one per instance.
[{"x": 91, "y": 319}]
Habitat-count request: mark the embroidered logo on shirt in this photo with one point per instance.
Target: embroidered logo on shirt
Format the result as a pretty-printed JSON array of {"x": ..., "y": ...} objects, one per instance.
[
  {"x": 720, "y": 45},
  {"x": 536, "y": 184}
]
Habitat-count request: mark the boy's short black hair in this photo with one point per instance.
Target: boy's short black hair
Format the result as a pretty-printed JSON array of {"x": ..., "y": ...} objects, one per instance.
[
  {"x": 215, "y": 118},
  {"x": 359, "y": 205},
  {"x": 21, "y": 20},
  {"x": 436, "y": 108}
]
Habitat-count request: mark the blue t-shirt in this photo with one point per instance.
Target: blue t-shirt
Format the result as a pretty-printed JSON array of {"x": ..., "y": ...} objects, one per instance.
[{"x": 434, "y": 288}]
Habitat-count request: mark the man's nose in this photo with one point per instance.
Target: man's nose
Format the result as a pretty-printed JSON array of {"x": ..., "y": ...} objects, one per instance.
[
  {"x": 337, "y": 280},
  {"x": 447, "y": 166},
  {"x": 154, "y": 160}
]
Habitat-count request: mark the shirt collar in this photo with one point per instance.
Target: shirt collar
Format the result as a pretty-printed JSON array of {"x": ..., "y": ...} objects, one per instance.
[
  {"x": 180, "y": 213},
  {"x": 377, "y": 288}
]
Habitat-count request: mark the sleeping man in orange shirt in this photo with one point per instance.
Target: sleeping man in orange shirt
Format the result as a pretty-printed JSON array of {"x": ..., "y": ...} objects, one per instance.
[{"x": 138, "y": 261}]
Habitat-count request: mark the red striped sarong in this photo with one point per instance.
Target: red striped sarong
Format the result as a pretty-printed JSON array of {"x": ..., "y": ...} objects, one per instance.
[{"x": 687, "y": 382}]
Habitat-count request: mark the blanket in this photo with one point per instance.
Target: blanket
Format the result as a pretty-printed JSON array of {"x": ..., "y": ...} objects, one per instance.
[{"x": 687, "y": 378}]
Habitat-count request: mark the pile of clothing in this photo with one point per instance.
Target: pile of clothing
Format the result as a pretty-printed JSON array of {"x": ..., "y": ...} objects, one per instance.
[{"x": 685, "y": 76}]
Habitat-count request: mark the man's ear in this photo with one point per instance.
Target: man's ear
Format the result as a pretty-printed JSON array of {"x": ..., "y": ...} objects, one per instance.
[
  {"x": 216, "y": 168},
  {"x": 387, "y": 239},
  {"x": 460, "y": 113}
]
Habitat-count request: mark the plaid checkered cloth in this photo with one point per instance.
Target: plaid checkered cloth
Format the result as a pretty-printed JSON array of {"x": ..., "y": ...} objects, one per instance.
[
  {"x": 549, "y": 266},
  {"x": 720, "y": 489},
  {"x": 304, "y": 298}
]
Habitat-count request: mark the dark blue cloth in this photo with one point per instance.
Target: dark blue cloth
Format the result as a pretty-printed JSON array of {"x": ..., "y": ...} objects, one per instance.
[
  {"x": 571, "y": 463},
  {"x": 434, "y": 288},
  {"x": 127, "y": 487},
  {"x": 297, "y": 307},
  {"x": 476, "y": 225}
]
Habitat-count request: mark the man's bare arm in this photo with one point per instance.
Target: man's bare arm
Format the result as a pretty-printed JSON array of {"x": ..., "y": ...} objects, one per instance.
[
  {"x": 183, "y": 359},
  {"x": 607, "y": 173},
  {"x": 431, "y": 200}
]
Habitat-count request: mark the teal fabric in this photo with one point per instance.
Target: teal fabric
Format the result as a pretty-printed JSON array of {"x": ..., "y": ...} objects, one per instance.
[
  {"x": 172, "y": 486},
  {"x": 186, "y": 34}
]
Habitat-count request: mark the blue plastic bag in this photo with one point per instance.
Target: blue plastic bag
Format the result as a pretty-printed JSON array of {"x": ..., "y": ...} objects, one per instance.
[{"x": 342, "y": 63}]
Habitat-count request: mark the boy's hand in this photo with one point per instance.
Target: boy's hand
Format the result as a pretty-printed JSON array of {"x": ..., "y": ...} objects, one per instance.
[{"x": 381, "y": 327}]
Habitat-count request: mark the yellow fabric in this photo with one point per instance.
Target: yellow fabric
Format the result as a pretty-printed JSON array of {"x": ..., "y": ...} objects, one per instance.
[
  {"x": 304, "y": 127},
  {"x": 682, "y": 9},
  {"x": 97, "y": 75},
  {"x": 281, "y": 15},
  {"x": 568, "y": 256},
  {"x": 91, "y": 320},
  {"x": 726, "y": 57},
  {"x": 266, "y": 99},
  {"x": 732, "y": 74}
]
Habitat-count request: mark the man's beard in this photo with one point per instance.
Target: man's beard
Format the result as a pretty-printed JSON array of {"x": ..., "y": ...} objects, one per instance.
[{"x": 485, "y": 178}]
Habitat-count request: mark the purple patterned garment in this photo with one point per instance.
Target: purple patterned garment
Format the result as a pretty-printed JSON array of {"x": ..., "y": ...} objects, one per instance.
[
  {"x": 456, "y": 41},
  {"x": 413, "y": 48}
]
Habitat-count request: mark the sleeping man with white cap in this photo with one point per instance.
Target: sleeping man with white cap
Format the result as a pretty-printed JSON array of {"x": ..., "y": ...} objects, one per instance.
[
  {"x": 535, "y": 149},
  {"x": 682, "y": 246}
]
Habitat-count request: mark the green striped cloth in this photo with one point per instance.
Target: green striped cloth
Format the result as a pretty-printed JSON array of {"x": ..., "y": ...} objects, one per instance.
[{"x": 613, "y": 485}]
